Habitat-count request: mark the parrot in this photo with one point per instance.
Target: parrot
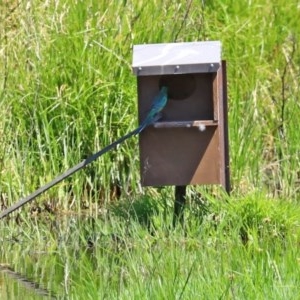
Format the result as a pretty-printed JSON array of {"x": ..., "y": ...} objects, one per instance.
[{"x": 158, "y": 105}]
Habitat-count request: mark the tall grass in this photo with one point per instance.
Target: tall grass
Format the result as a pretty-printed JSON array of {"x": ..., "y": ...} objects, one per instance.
[{"x": 67, "y": 90}]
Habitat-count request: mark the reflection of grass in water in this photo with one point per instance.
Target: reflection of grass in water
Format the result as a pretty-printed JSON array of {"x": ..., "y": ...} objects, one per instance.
[
  {"x": 114, "y": 255},
  {"x": 24, "y": 281}
]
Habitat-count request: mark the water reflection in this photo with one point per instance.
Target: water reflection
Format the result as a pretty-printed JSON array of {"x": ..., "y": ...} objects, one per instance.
[
  {"x": 14, "y": 285},
  {"x": 34, "y": 258},
  {"x": 37, "y": 257},
  {"x": 69, "y": 257}
]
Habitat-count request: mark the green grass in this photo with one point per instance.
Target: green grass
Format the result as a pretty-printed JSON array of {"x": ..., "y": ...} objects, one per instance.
[
  {"x": 242, "y": 249},
  {"x": 67, "y": 90}
]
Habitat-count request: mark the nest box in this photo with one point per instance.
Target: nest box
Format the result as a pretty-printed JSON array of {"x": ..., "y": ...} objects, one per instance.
[{"x": 189, "y": 144}]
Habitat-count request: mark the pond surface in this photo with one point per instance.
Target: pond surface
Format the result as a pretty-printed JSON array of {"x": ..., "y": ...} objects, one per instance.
[
  {"x": 14, "y": 285},
  {"x": 76, "y": 256},
  {"x": 35, "y": 258}
]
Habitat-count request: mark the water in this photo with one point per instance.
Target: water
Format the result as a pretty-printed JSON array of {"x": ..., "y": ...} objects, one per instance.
[
  {"x": 35, "y": 258},
  {"x": 70, "y": 257},
  {"x": 14, "y": 285}
]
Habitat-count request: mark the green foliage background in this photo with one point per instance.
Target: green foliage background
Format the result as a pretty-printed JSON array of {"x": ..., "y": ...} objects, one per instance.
[{"x": 67, "y": 90}]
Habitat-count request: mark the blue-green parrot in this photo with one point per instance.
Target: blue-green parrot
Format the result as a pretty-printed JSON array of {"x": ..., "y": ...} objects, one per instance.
[{"x": 158, "y": 105}]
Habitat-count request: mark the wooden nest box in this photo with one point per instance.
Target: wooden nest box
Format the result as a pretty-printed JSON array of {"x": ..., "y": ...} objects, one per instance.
[{"x": 189, "y": 144}]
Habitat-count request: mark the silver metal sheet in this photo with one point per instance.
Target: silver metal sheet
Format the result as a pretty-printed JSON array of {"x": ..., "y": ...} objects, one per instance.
[{"x": 176, "y": 58}]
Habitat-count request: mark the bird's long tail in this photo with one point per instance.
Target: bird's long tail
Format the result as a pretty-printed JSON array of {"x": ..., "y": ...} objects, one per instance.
[{"x": 148, "y": 121}]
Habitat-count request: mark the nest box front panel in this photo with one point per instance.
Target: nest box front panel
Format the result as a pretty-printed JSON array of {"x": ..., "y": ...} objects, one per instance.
[{"x": 180, "y": 155}]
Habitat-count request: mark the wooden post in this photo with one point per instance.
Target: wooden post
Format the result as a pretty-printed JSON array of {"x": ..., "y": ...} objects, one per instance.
[{"x": 180, "y": 196}]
